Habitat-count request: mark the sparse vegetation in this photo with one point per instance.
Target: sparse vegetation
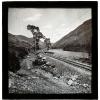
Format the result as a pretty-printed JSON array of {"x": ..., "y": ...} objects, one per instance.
[
  {"x": 25, "y": 77},
  {"x": 16, "y": 52},
  {"x": 79, "y": 40},
  {"x": 37, "y": 80}
]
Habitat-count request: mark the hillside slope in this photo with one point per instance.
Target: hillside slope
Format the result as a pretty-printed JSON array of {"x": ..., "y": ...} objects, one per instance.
[
  {"x": 31, "y": 79},
  {"x": 42, "y": 81},
  {"x": 77, "y": 40},
  {"x": 17, "y": 50}
]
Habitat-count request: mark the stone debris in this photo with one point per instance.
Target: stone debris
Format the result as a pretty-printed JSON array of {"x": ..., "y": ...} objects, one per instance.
[
  {"x": 11, "y": 83},
  {"x": 45, "y": 77},
  {"x": 70, "y": 82},
  {"x": 85, "y": 85}
]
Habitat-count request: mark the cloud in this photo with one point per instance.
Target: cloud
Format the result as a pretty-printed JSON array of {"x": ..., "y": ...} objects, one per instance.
[
  {"x": 63, "y": 25},
  {"x": 48, "y": 26},
  {"x": 33, "y": 18}
]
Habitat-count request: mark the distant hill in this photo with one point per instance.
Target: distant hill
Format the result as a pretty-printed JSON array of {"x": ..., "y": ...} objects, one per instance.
[
  {"x": 29, "y": 40},
  {"x": 23, "y": 38},
  {"x": 19, "y": 41},
  {"x": 77, "y": 40},
  {"x": 22, "y": 41}
]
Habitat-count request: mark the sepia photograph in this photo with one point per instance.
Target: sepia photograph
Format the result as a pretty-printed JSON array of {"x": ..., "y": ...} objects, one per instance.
[{"x": 50, "y": 50}]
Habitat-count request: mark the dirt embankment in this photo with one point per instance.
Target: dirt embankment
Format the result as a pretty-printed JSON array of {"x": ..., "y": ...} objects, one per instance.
[{"x": 36, "y": 80}]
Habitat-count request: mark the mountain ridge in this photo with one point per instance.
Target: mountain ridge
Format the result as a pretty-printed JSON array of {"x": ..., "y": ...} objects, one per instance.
[{"x": 77, "y": 40}]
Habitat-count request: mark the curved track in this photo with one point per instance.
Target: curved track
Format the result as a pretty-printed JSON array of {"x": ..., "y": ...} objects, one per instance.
[{"x": 72, "y": 62}]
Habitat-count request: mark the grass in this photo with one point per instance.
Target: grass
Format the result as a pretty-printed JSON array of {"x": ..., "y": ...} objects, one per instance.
[
  {"x": 31, "y": 81},
  {"x": 77, "y": 56}
]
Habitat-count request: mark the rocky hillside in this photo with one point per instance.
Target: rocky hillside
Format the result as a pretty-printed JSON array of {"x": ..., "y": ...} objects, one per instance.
[
  {"x": 19, "y": 41},
  {"x": 43, "y": 81},
  {"x": 25, "y": 77},
  {"x": 18, "y": 48},
  {"x": 77, "y": 40},
  {"x": 29, "y": 40}
]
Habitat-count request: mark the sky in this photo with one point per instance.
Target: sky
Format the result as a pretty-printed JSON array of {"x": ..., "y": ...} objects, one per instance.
[{"x": 54, "y": 23}]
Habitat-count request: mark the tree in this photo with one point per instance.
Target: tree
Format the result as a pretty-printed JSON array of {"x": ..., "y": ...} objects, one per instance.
[
  {"x": 48, "y": 43},
  {"x": 37, "y": 35}
]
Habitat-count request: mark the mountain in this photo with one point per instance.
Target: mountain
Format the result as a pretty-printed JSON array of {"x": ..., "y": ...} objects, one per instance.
[
  {"x": 23, "y": 38},
  {"x": 19, "y": 41},
  {"x": 77, "y": 40},
  {"x": 29, "y": 40},
  {"x": 22, "y": 41}
]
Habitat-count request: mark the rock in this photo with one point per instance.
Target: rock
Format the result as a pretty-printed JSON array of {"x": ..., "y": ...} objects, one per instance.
[
  {"x": 70, "y": 82},
  {"x": 74, "y": 77},
  {"x": 85, "y": 85},
  {"x": 55, "y": 78},
  {"x": 11, "y": 83}
]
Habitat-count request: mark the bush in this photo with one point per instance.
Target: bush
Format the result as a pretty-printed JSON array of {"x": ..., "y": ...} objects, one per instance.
[
  {"x": 15, "y": 55},
  {"x": 13, "y": 62}
]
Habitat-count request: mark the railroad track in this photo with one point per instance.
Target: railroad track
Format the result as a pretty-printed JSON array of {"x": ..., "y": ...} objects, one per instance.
[{"x": 74, "y": 63}]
